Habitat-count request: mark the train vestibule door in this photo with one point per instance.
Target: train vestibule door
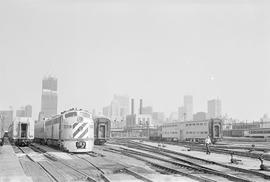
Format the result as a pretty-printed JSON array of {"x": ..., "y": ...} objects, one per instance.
[
  {"x": 23, "y": 130},
  {"x": 101, "y": 133},
  {"x": 216, "y": 130}
]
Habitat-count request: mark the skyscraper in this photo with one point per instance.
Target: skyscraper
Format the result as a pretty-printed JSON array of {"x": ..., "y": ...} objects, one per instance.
[
  {"x": 28, "y": 111},
  {"x": 123, "y": 104},
  {"x": 173, "y": 117},
  {"x": 181, "y": 111},
  {"x": 199, "y": 116},
  {"x": 188, "y": 108},
  {"x": 106, "y": 111},
  {"x": 147, "y": 110},
  {"x": 49, "y": 96},
  {"x": 214, "y": 108},
  {"x": 115, "y": 108},
  {"x": 24, "y": 111},
  {"x": 158, "y": 118},
  {"x": 20, "y": 112}
]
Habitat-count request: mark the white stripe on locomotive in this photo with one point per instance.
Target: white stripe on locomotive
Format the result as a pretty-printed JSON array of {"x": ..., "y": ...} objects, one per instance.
[{"x": 80, "y": 130}]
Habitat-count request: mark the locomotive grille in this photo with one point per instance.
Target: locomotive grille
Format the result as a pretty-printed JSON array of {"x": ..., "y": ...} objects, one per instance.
[{"x": 80, "y": 130}]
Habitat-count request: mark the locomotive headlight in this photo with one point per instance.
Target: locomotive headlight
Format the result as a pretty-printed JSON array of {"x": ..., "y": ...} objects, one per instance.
[
  {"x": 79, "y": 119},
  {"x": 80, "y": 145}
]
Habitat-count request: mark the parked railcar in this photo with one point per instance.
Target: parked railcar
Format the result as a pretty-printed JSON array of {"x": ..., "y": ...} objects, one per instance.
[
  {"x": 155, "y": 134},
  {"x": 193, "y": 131},
  {"x": 71, "y": 131},
  {"x": 258, "y": 133},
  {"x": 2, "y": 132},
  {"x": 102, "y": 129},
  {"x": 21, "y": 131}
]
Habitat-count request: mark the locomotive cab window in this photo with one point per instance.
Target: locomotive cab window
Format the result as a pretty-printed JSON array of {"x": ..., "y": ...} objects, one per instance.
[{"x": 71, "y": 114}]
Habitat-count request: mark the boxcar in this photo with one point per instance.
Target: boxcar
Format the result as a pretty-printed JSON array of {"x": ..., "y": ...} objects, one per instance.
[
  {"x": 21, "y": 131},
  {"x": 71, "y": 131},
  {"x": 102, "y": 129}
]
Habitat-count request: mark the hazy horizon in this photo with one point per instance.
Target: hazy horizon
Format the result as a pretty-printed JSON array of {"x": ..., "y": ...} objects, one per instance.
[{"x": 155, "y": 50}]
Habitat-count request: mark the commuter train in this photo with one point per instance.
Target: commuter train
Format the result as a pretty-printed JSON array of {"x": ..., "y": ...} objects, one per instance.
[
  {"x": 258, "y": 133},
  {"x": 71, "y": 131},
  {"x": 21, "y": 131},
  {"x": 102, "y": 127},
  {"x": 192, "y": 131}
]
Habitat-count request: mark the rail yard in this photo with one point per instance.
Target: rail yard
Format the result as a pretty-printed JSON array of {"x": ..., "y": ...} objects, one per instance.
[
  {"x": 61, "y": 148},
  {"x": 133, "y": 160}
]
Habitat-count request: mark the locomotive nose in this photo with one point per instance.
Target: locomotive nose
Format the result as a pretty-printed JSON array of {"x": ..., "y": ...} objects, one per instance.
[{"x": 80, "y": 144}]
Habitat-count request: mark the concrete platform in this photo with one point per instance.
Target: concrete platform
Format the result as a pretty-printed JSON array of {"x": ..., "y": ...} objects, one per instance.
[{"x": 10, "y": 167}]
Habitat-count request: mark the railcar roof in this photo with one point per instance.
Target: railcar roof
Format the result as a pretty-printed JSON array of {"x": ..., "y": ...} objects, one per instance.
[
  {"x": 101, "y": 116},
  {"x": 24, "y": 119}
]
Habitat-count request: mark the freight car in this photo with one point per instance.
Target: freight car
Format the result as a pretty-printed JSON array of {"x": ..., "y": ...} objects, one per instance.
[
  {"x": 193, "y": 131},
  {"x": 71, "y": 131},
  {"x": 102, "y": 129},
  {"x": 21, "y": 131}
]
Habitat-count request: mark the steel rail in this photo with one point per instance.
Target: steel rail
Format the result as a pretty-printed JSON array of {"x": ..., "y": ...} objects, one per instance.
[
  {"x": 165, "y": 151},
  {"x": 51, "y": 176},
  {"x": 89, "y": 178}
]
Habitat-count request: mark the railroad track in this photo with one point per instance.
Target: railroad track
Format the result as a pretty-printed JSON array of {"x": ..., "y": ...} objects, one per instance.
[
  {"x": 85, "y": 176},
  {"x": 124, "y": 170},
  {"x": 250, "y": 152},
  {"x": 48, "y": 173},
  {"x": 101, "y": 173},
  {"x": 194, "y": 161},
  {"x": 160, "y": 164}
]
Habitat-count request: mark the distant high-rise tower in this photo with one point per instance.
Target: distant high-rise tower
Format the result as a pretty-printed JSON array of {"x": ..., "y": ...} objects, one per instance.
[
  {"x": 28, "y": 111},
  {"x": 214, "y": 108},
  {"x": 123, "y": 105},
  {"x": 181, "y": 111},
  {"x": 188, "y": 108},
  {"x": 49, "y": 96},
  {"x": 24, "y": 111}
]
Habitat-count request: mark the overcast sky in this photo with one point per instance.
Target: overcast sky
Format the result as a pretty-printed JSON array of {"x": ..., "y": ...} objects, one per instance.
[{"x": 157, "y": 50}]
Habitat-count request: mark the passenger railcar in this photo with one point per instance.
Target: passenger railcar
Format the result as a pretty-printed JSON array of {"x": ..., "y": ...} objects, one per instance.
[
  {"x": 71, "y": 131},
  {"x": 2, "y": 132},
  {"x": 21, "y": 131},
  {"x": 102, "y": 129},
  {"x": 193, "y": 131},
  {"x": 258, "y": 133}
]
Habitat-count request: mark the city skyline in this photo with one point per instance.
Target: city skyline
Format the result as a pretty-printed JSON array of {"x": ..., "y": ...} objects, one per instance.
[{"x": 159, "y": 52}]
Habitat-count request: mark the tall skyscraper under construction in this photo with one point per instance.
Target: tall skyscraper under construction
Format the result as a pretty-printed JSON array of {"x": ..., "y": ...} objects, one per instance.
[{"x": 49, "y": 97}]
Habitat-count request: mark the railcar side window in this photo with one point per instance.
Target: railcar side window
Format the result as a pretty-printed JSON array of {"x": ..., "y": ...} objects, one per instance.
[
  {"x": 67, "y": 126},
  {"x": 71, "y": 114},
  {"x": 86, "y": 115}
]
